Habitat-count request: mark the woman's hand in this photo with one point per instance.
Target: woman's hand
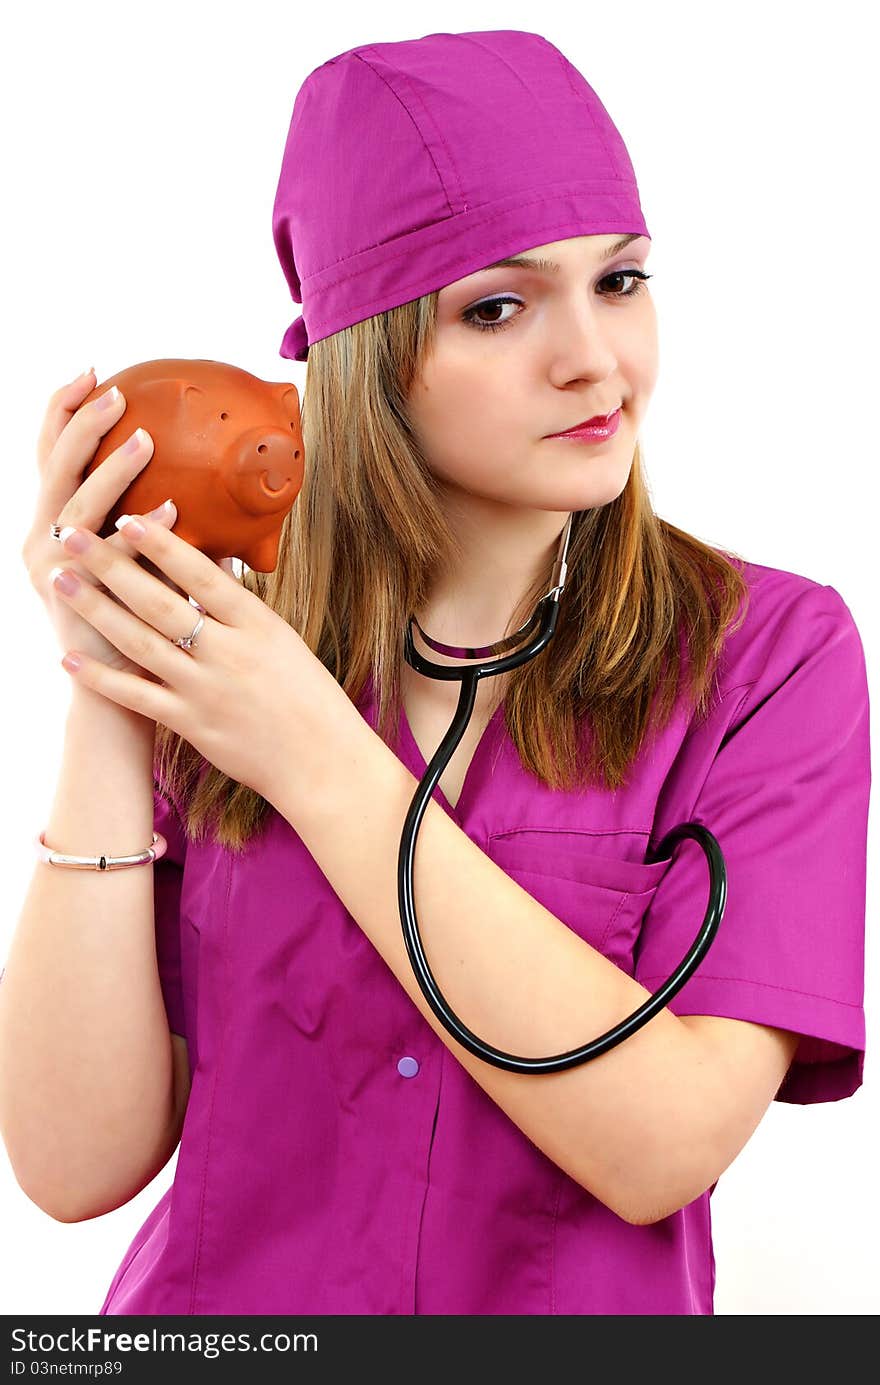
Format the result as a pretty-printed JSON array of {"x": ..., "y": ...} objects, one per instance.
[
  {"x": 249, "y": 694},
  {"x": 68, "y": 439}
]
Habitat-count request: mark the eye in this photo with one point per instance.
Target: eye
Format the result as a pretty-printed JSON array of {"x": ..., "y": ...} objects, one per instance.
[
  {"x": 489, "y": 304},
  {"x": 224, "y": 415},
  {"x": 469, "y": 316}
]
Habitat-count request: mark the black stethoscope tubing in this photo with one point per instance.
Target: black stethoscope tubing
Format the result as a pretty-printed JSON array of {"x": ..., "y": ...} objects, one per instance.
[{"x": 543, "y": 620}]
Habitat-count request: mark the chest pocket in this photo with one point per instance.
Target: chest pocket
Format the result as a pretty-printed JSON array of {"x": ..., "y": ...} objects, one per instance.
[{"x": 602, "y": 898}]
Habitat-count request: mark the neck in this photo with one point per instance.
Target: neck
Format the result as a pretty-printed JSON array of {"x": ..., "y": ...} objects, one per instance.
[{"x": 503, "y": 551}]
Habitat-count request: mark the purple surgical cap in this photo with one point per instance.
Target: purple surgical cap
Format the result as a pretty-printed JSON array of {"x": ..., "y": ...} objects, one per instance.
[{"x": 410, "y": 165}]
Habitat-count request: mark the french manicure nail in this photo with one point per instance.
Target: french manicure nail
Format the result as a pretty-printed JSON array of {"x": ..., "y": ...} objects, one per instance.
[
  {"x": 65, "y": 580},
  {"x": 74, "y": 541},
  {"x": 130, "y": 527}
]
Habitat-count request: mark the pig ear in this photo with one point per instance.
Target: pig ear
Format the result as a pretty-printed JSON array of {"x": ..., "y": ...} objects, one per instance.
[{"x": 284, "y": 388}]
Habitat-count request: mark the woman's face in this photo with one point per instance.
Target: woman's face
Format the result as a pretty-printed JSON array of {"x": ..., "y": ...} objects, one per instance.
[{"x": 566, "y": 346}]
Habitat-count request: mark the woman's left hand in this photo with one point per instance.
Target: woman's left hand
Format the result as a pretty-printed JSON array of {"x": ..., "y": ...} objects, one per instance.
[{"x": 248, "y": 682}]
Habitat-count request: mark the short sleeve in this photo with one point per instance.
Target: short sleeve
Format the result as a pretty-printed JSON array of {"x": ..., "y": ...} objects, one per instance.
[
  {"x": 167, "y": 887},
  {"x": 786, "y": 796}
]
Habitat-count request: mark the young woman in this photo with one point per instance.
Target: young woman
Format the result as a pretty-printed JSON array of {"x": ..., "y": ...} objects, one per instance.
[{"x": 340, "y": 1152}]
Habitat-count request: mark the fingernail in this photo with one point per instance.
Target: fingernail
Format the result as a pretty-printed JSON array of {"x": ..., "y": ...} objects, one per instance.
[
  {"x": 73, "y": 540},
  {"x": 161, "y": 511},
  {"x": 65, "y": 580},
  {"x": 130, "y": 527},
  {"x": 107, "y": 398}
]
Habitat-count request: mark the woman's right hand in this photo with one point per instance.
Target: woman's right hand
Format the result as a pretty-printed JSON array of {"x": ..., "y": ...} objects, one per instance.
[{"x": 68, "y": 441}]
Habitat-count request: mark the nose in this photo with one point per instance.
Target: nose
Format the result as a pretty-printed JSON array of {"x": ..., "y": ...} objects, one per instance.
[
  {"x": 276, "y": 462},
  {"x": 580, "y": 346},
  {"x": 265, "y": 470}
]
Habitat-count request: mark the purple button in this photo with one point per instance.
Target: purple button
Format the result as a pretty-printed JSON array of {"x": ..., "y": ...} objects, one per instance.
[{"x": 408, "y": 1067}]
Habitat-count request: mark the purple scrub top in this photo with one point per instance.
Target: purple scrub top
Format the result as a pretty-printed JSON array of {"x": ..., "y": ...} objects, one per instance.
[{"x": 337, "y": 1159}]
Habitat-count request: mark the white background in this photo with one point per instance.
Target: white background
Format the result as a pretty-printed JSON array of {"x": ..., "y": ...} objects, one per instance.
[{"x": 141, "y": 150}]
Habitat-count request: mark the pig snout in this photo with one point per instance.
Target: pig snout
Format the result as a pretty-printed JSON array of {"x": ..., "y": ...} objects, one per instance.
[{"x": 264, "y": 470}]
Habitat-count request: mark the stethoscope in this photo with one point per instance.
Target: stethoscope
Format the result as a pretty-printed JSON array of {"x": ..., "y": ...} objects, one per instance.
[{"x": 543, "y": 620}]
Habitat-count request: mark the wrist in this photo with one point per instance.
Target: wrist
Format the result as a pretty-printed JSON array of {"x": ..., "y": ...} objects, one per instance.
[
  {"x": 329, "y": 741},
  {"x": 108, "y": 722}
]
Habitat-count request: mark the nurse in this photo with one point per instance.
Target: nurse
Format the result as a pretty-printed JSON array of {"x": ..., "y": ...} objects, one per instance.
[{"x": 459, "y": 219}]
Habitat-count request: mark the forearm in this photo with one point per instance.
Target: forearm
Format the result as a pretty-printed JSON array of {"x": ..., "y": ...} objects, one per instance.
[
  {"x": 86, "y": 1097},
  {"x": 625, "y": 1125}
]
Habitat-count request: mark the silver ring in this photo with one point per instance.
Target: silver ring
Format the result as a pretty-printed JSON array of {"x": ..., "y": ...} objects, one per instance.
[{"x": 189, "y": 640}]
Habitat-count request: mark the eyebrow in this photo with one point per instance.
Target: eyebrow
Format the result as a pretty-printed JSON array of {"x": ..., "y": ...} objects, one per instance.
[{"x": 548, "y": 267}]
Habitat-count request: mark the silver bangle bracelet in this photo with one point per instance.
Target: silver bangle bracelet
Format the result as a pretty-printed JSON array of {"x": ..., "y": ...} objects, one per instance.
[{"x": 140, "y": 858}]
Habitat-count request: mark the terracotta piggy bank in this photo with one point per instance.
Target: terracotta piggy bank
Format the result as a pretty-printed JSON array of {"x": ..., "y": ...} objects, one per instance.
[{"x": 227, "y": 449}]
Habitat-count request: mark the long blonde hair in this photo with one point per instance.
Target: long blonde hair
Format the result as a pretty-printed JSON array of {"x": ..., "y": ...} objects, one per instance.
[{"x": 642, "y": 619}]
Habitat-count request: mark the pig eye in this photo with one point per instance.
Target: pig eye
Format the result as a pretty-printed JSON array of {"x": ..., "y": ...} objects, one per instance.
[{"x": 224, "y": 415}]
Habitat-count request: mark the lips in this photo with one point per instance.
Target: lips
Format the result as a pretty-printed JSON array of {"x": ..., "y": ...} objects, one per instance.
[{"x": 599, "y": 421}]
